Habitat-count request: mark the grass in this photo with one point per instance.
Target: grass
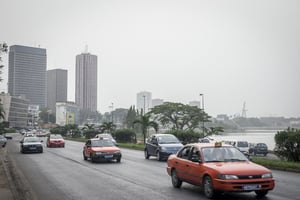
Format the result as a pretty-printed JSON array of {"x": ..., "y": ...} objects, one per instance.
[{"x": 278, "y": 164}]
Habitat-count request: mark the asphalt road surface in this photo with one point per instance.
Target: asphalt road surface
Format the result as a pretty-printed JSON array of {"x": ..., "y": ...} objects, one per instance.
[{"x": 61, "y": 173}]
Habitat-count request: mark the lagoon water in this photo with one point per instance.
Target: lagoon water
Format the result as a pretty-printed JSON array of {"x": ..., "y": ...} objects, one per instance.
[{"x": 252, "y": 137}]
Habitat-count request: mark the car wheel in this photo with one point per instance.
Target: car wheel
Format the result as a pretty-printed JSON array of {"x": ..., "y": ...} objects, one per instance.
[
  {"x": 118, "y": 160},
  {"x": 208, "y": 187},
  {"x": 91, "y": 157},
  {"x": 176, "y": 182},
  {"x": 158, "y": 157},
  {"x": 261, "y": 193},
  {"x": 41, "y": 151},
  {"x": 146, "y": 154},
  {"x": 84, "y": 157}
]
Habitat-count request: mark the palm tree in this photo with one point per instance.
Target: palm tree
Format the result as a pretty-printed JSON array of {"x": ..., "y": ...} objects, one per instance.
[
  {"x": 214, "y": 130},
  {"x": 145, "y": 122},
  {"x": 107, "y": 126}
]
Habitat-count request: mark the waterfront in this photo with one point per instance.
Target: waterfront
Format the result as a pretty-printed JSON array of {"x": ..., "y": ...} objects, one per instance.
[{"x": 252, "y": 137}]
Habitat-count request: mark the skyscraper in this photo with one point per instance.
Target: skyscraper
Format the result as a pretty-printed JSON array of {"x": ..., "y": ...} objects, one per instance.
[
  {"x": 86, "y": 82},
  {"x": 57, "y": 87},
  {"x": 144, "y": 101},
  {"x": 27, "y": 74}
]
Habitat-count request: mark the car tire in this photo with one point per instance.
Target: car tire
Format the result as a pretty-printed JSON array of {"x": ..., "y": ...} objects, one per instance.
[
  {"x": 261, "y": 193},
  {"x": 118, "y": 160},
  {"x": 176, "y": 182},
  {"x": 208, "y": 187},
  {"x": 84, "y": 157},
  {"x": 158, "y": 157},
  {"x": 146, "y": 154},
  {"x": 92, "y": 159}
]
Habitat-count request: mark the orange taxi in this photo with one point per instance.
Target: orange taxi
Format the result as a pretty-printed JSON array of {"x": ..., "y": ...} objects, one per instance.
[
  {"x": 101, "y": 149},
  {"x": 218, "y": 168}
]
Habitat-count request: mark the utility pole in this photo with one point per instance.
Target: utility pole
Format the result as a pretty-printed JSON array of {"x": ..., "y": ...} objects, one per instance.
[{"x": 202, "y": 107}]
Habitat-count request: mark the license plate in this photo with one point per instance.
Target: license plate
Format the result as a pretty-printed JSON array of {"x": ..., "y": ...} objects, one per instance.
[
  {"x": 32, "y": 148},
  {"x": 251, "y": 187},
  {"x": 108, "y": 156}
]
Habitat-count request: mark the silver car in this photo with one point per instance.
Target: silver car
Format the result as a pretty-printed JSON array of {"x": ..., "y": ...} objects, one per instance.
[{"x": 3, "y": 141}]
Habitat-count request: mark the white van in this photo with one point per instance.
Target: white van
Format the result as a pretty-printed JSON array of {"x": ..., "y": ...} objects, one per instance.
[{"x": 243, "y": 146}]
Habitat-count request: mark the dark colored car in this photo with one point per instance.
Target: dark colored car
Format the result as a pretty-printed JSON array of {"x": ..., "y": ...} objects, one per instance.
[
  {"x": 31, "y": 144},
  {"x": 55, "y": 140},
  {"x": 218, "y": 168},
  {"x": 3, "y": 141},
  {"x": 161, "y": 146},
  {"x": 259, "y": 148},
  {"x": 101, "y": 149}
]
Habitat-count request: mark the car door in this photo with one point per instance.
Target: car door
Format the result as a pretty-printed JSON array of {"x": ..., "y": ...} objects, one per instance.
[
  {"x": 182, "y": 163},
  {"x": 152, "y": 145},
  {"x": 195, "y": 166},
  {"x": 87, "y": 148}
]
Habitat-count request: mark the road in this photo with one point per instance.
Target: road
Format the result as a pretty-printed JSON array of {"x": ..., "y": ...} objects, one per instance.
[{"x": 61, "y": 173}]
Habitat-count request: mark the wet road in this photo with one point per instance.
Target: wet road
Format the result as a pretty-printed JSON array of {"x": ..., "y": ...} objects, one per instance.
[{"x": 61, "y": 173}]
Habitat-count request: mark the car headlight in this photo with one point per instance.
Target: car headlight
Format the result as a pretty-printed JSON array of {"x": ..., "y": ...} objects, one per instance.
[
  {"x": 227, "y": 177},
  {"x": 267, "y": 175},
  {"x": 117, "y": 152}
]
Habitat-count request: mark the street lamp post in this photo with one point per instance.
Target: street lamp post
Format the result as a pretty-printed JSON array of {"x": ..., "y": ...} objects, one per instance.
[
  {"x": 202, "y": 107},
  {"x": 144, "y": 111},
  {"x": 112, "y": 115}
]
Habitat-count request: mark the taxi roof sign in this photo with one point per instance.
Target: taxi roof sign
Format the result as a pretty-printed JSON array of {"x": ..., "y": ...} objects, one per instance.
[{"x": 218, "y": 144}]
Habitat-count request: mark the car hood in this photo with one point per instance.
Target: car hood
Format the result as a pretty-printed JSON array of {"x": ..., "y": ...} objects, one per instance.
[
  {"x": 178, "y": 145},
  {"x": 56, "y": 139},
  {"x": 106, "y": 149},
  {"x": 238, "y": 168},
  {"x": 32, "y": 143}
]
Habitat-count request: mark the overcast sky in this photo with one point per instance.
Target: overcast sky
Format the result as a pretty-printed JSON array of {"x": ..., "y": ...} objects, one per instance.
[{"x": 232, "y": 51}]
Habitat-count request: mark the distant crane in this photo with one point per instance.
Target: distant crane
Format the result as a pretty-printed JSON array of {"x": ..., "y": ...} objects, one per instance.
[{"x": 244, "y": 115}]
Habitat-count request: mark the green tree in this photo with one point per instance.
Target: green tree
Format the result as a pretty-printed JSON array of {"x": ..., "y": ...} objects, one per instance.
[
  {"x": 178, "y": 116},
  {"x": 131, "y": 116},
  {"x": 107, "y": 127},
  {"x": 214, "y": 130},
  {"x": 146, "y": 123},
  {"x": 3, "y": 49}
]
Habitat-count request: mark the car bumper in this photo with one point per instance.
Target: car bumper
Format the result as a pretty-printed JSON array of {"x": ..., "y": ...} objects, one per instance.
[
  {"x": 56, "y": 145},
  {"x": 32, "y": 149},
  {"x": 106, "y": 157},
  {"x": 244, "y": 185}
]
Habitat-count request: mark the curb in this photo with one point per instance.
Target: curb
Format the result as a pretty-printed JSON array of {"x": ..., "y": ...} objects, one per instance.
[{"x": 19, "y": 187}]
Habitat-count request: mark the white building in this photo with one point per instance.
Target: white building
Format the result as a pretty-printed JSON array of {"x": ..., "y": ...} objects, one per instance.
[
  {"x": 157, "y": 102},
  {"x": 195, "y": 103},
  {"x": 67, "y": 113},
  {"x": 143, "y": 101}
]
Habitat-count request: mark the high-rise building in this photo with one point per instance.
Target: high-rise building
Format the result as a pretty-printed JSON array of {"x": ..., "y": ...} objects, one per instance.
[
  {"x": 143, "y": 102},
  {"x": 27, "y": 74},
  {"x": 86, "y": 82},
  {"x": 57, "y": 87}
]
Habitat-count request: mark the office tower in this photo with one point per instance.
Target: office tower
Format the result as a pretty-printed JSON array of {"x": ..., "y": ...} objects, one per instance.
[
  {"x": 27, "y": 74},
  {"x": 57, "y": 87},
  {"x": 86, "y": 82},
  {"x": 144, "y": 101}
]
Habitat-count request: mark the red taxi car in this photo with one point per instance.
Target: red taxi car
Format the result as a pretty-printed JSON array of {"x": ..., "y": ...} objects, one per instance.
[
  {"x": 218, "y": 168},
  {"x": 55, "y": 140},
  {"x": 101, "y": 149}
]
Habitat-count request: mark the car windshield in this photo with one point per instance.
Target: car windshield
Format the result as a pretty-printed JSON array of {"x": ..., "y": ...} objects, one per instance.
[
  {"x": 31, "y": 139},
  {"x": 55, "y": 137},
  {"x": 102, "y": 143},
  {"x": 222, "y": 154},
  {"x": 105, "y": 136},
  {"x": 167, "y": 139}
]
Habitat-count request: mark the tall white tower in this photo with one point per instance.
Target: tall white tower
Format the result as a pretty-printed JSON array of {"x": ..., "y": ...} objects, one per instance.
[{"x": 144, "y": 101}]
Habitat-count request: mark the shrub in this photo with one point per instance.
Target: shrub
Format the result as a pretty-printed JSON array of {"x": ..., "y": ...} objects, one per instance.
[
  {"x": 89, "y": 133},
  {"x": 185, "y": 137},
  {"x": 125, "y": 135},
  {"x": 288, "y": 144}
]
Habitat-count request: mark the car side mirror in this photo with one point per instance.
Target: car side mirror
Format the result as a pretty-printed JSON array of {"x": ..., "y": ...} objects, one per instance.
[
  {"x": 41, "y": 140},
  {"x": 21, "y": 142}
]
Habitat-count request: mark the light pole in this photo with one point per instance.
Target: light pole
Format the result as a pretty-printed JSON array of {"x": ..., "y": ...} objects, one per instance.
[
  {"x": 144, "y": 111},
  {"x": 202, "y": 107},
  {"x": 112, "y": 115}
]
